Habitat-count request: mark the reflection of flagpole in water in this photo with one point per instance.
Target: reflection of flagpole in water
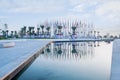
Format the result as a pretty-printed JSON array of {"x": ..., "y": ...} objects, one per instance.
[
  {"x": 82, "y": 50},
  {"x": 52, "y": 48}
]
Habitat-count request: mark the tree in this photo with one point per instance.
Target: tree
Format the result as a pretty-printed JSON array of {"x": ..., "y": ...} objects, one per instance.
[
  {"x": 21, "y": 32},
  {"x": 94, "y": 33},
  {"x": 33, "y": 32},
  {"x": 24, "y": 30},
  {"x": 91, "y": 32},
  {"x": 7, "y": 33},
  {"x": 11, "y": 35},
  {"x": 111, "y": 36},
  {"x": 42, "y": 27},
  {"x": 73, "y": 28},
  {"x": 105, "y": 36},
  {"x": 48, "y": 29},
  {"x": 115, "y": 37},
  {"x": 4, "y": 34},
  {"x": 15, "y": 34},
  {"x": 38, "y": 31},
  {"x": 98, "y": 34},
  {"x": 59, "y": 29},
  {"x": 30, "y": 29}
]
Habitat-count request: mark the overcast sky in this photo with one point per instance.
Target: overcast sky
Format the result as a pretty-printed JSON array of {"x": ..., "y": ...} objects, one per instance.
[{"x": 104, "y": 14}]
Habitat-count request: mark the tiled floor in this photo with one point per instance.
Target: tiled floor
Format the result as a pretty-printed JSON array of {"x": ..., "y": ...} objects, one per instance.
[
  {"x": 115, "y": 68},
  {"x": 11, "y": 57}
]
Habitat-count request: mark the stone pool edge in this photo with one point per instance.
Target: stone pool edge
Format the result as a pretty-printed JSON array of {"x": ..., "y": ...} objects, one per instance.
[{"x": 23, "y": 64}]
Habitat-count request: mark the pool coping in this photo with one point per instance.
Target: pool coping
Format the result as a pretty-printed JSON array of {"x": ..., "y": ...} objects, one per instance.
[{"x": 23, "y": 64}]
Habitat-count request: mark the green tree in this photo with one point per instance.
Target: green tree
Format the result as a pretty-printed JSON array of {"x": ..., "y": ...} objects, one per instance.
[
  {"x": 59, "y": 29},
  {"x": 4, "y": 33},
  {"x": 73, "y": 28},
  {"x": 98, "y": 34},
  {"x": 42, "y": 27},
  {"x": 15, "y": 34},
  {"x": 7, "y": 33},
  {"x": 38, "y": 31},
  {"x": 11, "y": 35},
  {"x": 33, "y": 32},
  {"x": 48, "y": 29},
  {"x": 94, "y": 33},
  {"x": 30, "y": 30},
  {"x": 24, "y": 30},
  {"x": 21, "y": 32}
]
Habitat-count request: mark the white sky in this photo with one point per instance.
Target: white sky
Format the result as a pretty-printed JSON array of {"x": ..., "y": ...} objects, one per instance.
[{"x": 104, "y": 14}]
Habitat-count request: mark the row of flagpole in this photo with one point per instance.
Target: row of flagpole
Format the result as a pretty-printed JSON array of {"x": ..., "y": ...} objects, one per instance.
[
  {"x": 83, "y": 29},
  {"x": 70, "y": 50}
]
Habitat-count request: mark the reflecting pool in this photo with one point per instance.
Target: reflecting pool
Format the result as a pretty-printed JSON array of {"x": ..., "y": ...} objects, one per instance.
[{"x": 71, "y": 61}]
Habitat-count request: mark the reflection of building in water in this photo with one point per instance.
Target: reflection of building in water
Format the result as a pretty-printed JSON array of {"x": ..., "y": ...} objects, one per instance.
[{"x": 70, "y": 50}]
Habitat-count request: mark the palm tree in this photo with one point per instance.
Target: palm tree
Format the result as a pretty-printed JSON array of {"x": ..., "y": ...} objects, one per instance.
[
  {"x": 21, "y": 32},
  {"x": 11, "y": 34},
  {"x": 33, "y": 32},
  {"x": 94, "y": 33},
  {"x": 98, "y": 34},
  {"x": 38, "y": 31},
  {"x": 91, "y": 32},
  {"x": 28, "y": 33},
  {"x": 73, "y": 28},
  {"x": 6, "y": 26},
  {"x": 105, "y": 36},
  {"x": 15, "y": 34},
  {"x": 59, "y": 29},
  {"x": 42, "y": 27},
  {"x": 48, "y": 29},
  {"x": 24, "y": 30},
  {"x": 7, "y": 33},
  {"x": 4, "y": 34},
  {"x": 30, "y": 29}
]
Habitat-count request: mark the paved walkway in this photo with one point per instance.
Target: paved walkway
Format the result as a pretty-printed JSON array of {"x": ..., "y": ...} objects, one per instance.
[
  {"x": 11, "y": 57},
  {"x": 115, "y": 68}
]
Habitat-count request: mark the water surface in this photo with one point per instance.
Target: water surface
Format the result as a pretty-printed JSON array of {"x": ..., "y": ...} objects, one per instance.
[{"x": 71, "y": 61}]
